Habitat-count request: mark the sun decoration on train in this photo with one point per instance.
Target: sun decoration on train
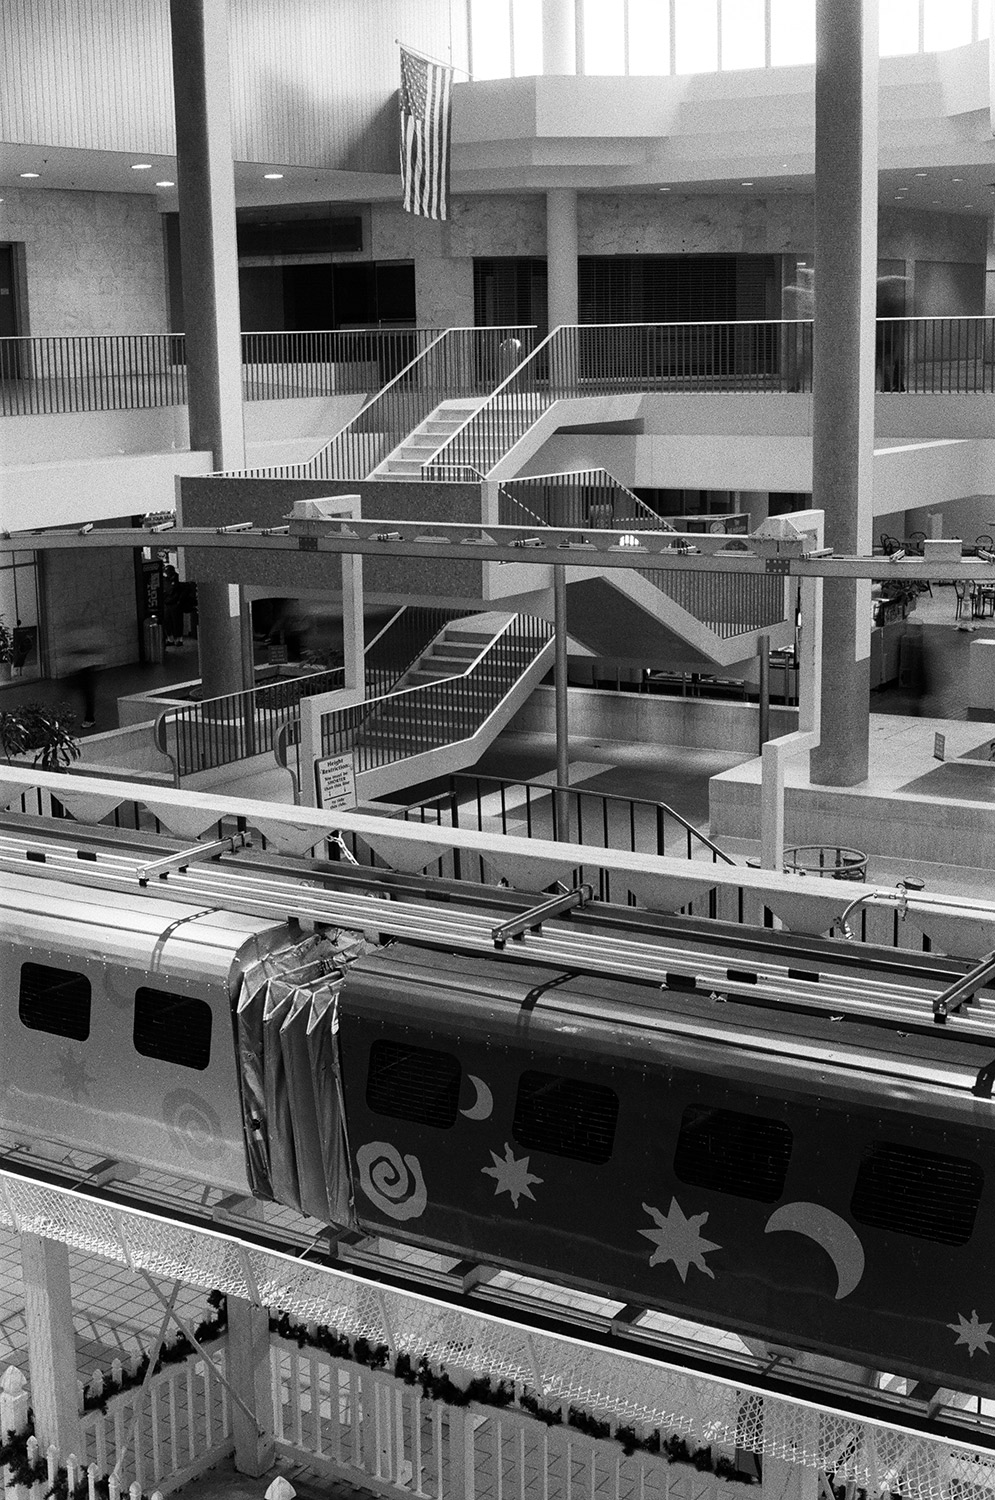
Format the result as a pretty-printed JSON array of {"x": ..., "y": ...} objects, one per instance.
[
  {"x": 678, "y": 1238},
  {"x": 512, "y": 1176},
  {"x": 975, "y": 1334}
]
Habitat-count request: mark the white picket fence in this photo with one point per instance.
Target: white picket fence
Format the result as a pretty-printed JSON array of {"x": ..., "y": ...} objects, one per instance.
[
  {"x": 350, "y": 1423},
  {"x": 369, "y": 1428},
  {"x": 184, "y": 1427}
]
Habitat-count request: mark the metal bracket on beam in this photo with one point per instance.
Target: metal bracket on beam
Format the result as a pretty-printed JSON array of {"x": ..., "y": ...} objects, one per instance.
[
  {"x": 161, "y": 868},
  {"x": 778, "y": 565},
  {"x": 955, "y": 995},
  {"x": 532, "y": 920}
]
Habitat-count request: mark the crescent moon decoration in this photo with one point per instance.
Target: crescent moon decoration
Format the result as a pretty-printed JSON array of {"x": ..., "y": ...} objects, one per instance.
[
  {"x": 483, "y": 1105},
  {"x": 835, "y": 1235}
]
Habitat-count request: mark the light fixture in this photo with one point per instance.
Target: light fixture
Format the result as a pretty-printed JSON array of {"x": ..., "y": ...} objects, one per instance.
[
  {"x": 922, "y": 174},
  {"x": 165, "y": 183},
  {"x": 956, "y": 179},
  {"x": 746, "y": 184},
  {"x": 272, "y": 176},
  {"x": 664, "y": 190},
  {"x": 30, "y": 174},
  {"x": 141, "y": 166},
  {"x": 968, "y": 205}
]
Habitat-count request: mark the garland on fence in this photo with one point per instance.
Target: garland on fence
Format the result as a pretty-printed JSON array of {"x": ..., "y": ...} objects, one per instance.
[
  {"x": 173, "y": 1352},
  {"x": 439, "y": 1386},
  {"x": 14, "y": 1445}
]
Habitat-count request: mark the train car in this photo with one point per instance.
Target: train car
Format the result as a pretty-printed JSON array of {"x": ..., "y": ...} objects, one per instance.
[
  {"x": 813, "y": 1185},
  {"x": 116, "y": 1019},
  {"x": 735, "y": 1160}
]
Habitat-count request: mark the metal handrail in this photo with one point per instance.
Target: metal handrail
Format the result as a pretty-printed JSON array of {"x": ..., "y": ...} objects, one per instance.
[
  {"x": 578, "y": 792},
  {"x": 109, "y": 372},
  {"x": 403, "y": 404},
  {"x": 344, "y": 728}
]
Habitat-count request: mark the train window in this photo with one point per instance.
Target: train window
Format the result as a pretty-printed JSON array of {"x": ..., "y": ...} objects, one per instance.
[
  {"x": 732, "y": 1152},
  {"x": 565, "y": 1116},
  {"x": 413, "y": 1083},
  {"x": 922, "y": 1193},
  {"x": 55, "y": 1000},
  {"x": 172, "y": 1028}
]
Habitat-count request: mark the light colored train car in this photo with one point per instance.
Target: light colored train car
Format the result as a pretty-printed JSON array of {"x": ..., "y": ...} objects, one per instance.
[{"x": 116, "y": 1024}]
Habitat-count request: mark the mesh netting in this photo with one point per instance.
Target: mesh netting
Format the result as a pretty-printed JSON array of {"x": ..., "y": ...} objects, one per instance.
[{"x": 623, "y": 1388}]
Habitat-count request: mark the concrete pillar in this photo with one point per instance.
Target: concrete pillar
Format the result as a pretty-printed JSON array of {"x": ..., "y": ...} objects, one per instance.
[
  {"x": 990, "y": 267},
  {"x": 561, "y": 255},
  {"x": 843, "y": 377},
  {"x": 249, "y": 1373},
  {"x": 559, "y": 37},
  {"x": 48, "y": 1315},
  {"x": 209, "y": 258}
]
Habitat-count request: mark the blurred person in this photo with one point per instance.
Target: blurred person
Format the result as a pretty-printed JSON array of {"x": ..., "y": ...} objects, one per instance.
[
  {"x": 172, "y": 606},
  {"x": 85, "y": 653}
]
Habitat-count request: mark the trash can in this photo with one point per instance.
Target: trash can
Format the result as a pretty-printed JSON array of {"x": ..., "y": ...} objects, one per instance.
[{"x": 153, "y": 640}]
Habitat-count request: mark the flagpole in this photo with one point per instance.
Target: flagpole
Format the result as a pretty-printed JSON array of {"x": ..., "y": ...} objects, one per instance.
[{"x": 427, "y": 56}]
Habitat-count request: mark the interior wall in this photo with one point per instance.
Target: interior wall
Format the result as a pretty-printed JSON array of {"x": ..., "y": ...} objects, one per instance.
[
  {"x": 93, "y": 261},
  {"x": 99, "y": 597},
  {"x": 949, "y": 289}
]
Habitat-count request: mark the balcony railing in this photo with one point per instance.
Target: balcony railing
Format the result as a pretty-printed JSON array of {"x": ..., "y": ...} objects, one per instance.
[
  {"x": 127, "y": 372},
  {"x": 415, "y": 369}
]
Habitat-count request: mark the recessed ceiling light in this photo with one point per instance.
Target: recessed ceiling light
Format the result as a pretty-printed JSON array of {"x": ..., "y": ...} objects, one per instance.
[
  {"x": 30, "y": 174},
  {"x": 272, "y": 176},
  {"x": 667, "y": 190},
  {"x": 165, "y": 183},
  {"x": 956, "y": 179},
  {"x": 968, "y": 205},
  {"x": 922, "y": 174},
  {"x": 746, "y": 184},
  {"x": 141, "y": 166},
  {"x": 936, "y": 200}
]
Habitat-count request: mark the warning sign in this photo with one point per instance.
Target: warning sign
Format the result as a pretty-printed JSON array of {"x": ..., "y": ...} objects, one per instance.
[{"x": 336, "y": 781}]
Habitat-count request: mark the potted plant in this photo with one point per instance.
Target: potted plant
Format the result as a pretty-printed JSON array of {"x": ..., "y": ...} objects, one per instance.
[
  {"x": 6, "y": 650},
  {"x": 46, "y": 734}
]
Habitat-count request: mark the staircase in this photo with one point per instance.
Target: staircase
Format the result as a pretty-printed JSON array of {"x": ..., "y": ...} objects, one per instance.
[
  {"x": 450, "y": 704},
  {"x": 406, "y": 460}
]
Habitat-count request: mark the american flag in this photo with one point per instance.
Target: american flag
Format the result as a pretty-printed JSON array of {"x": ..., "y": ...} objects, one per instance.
[{"x": 426, "y": 92}]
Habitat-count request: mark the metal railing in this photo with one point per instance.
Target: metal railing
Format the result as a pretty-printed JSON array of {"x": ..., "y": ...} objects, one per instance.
[
  {"x": 122, "y": 372},
  {"x": 459, "y": 363},
  {"x": 601, "y": 819},
  {"x": 404, "y": 638},
  {"x": 237, "y": 726},
  {"x": 126, "y": 372},
  {"x": 400, "y": 725}
]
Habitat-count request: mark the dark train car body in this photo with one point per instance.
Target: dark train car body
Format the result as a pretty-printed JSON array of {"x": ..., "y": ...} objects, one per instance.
[{"x": 821, "y": 1189}]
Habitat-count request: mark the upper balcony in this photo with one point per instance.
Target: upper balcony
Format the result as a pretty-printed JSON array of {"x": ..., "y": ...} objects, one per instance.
[{"x": 93, "y": 420}]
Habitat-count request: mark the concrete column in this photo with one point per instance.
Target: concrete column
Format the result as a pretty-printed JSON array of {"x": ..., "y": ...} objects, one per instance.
[
  {"x": 48, "y": 1314},
  {"x": 249, "y": 1373},
  {"x": 221, "y": 639},
  {"x": 559, "y": 37},
  {"x": 561, "y": 255},
  {"x": 990, "y": 267},
  {"x": 843, "y": 377},
  {"x": 209, "y": 259}
]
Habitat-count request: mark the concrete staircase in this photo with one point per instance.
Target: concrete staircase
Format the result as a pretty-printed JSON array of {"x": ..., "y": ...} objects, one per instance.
[
  {"x": 443, "y": 714},
  {"x": 405, "y": 461}
]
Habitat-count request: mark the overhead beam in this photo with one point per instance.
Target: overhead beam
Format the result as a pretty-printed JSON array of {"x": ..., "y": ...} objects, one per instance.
[{"x": 553, "y": 547}]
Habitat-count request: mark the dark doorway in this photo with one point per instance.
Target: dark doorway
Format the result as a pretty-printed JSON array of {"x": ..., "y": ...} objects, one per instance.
[{"x": 10, "y": 354}]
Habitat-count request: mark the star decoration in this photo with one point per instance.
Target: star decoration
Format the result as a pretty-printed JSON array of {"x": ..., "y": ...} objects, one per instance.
[
  {"x": 511, "y": 1176},
  {"x": 73, "y": 1077},
  {"x": 678, "y": 1238},
  {"x": 975, "y": 1334}
]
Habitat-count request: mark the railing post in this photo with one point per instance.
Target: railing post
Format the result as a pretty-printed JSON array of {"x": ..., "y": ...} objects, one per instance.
[
  {"x": 249, "y": 1374},
  {"x": 562, "y": 795}
]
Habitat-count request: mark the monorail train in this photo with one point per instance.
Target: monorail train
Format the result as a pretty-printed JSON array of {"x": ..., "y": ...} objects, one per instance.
[{"x": 827, "y": 1186}]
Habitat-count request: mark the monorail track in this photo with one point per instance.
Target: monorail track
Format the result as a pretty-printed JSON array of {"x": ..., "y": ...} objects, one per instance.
[{"x": 770, "y": 973}]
